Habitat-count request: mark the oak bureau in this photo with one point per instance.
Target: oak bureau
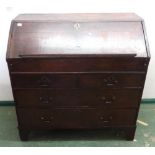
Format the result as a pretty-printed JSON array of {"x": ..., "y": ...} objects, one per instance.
[{"x": 77, "y": 71}]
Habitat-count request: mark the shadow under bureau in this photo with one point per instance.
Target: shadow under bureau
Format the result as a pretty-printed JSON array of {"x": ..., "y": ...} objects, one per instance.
[{"x": 77, "y": 71}]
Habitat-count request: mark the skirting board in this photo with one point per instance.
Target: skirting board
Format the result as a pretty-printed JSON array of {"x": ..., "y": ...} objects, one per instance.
[
  {"x": 144, "y": 101},
  {"x": 148, "y": 100}
]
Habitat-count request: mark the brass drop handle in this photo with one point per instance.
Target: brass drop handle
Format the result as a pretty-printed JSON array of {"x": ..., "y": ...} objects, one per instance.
[
  {"x": 44, "y": 81},
  {"x": 46, "y": 100},
  {"x": 46, "y": 119},
  {"x": 44, "y": 85},
  {"x": 110, "y": 81},
  {"x": 105, "y": 120},
  {"x": 108, "y": 101}
]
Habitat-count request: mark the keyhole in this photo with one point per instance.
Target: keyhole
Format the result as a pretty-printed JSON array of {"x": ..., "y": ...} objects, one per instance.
[{"x": 77, "y": 26}]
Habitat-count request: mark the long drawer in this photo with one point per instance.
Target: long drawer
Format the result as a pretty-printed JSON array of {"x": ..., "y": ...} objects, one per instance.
[
  {"x": 73, "y": 64},
  {"x": 74, "y": 118},
  {"x": 117, "y": 98},
  {"x": 86, "y": 80}
]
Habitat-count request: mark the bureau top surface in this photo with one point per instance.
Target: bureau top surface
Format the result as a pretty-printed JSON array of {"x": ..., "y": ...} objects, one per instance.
[
  {"x": 85, "y": 17},
  {"x": 50, "y": 35}
]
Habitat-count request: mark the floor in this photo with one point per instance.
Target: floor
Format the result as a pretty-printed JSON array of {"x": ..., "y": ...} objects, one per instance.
[{"x": 145, "y": 133}]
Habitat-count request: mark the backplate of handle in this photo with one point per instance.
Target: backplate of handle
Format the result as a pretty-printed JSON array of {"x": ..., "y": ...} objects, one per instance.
[
  {"x": 45, "y": 99},
  {"x": 46, "y": 119},
  {"x": 108, "y": 100},
  {"x": 44, "y": 81},
  {"x": 110, "y": 81},
  {"x": 106, "y": 120}
]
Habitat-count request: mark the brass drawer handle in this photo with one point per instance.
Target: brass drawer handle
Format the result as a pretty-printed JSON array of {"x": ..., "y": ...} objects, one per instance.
[
  {"x": 110, "y": 81},
  {"x": 46, "y": 119},
  {"x": 105, "y": 120},
  {"x": 44, "y": 82},
  {"x": 44, "y": 85},
  {"x": 46, "y": 100},
  {"x": 107, "y": 100}
]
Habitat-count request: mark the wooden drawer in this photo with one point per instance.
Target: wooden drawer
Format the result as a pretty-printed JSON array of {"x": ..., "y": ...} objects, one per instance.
[
  {"x": 90, "y": 80},
  {"x": 118, "y": 98},
  {"x": 77, "y": 64},
  {"x": 93, "y": 118},
  {"x": 74, "y": 118},
  {"x": 112, "y": 80},
  {"x": 46, "y": 97},
  {"x": 35, "y": 118},
  {"x": 43, "y": 80},
  {"x": 78, "y": 98}
]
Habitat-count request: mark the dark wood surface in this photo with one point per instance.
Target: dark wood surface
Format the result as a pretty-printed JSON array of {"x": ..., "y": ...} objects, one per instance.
[
  {"x": 77, "y": 71},
  {"x": 49, "y": 39},
  {"x": 75, "y": 98},
  {"x": 87, "y": 64},
  {"x": 75, "y": 118},
  {"x": 96, "y": 37},
  {"x": 87, "y": 80}
]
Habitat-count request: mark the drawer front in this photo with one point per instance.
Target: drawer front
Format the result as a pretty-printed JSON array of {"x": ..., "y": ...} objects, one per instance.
[
  {"x": 35, "y": 118},
  {"x": 126, "y": 98},
  {"x": 74, "y": 118},
  {"x": 45, "y": 97},
  {"x": 43, "y": 80},
  {"x": 112, "y": 80},
  {"x": 93, "y": 118},
  {"x": 117, "y": 98},
  {"x": 78, "y": 64},
  {"x": 94, "y": 80}
]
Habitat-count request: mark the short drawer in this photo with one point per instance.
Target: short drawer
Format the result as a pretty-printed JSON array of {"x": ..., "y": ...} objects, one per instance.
[
  {"x": 73, "y": 64},
  {"x": 74, "y": 118},
  {"x": 126, "y": 98},
  {"x": 112, "y": 80},
  {"x": 35, "y": 118},
  {"x": 43, "y": 80}
]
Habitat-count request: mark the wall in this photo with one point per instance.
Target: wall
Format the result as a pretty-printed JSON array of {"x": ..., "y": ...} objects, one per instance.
[{"x": 9, "y": 9}]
